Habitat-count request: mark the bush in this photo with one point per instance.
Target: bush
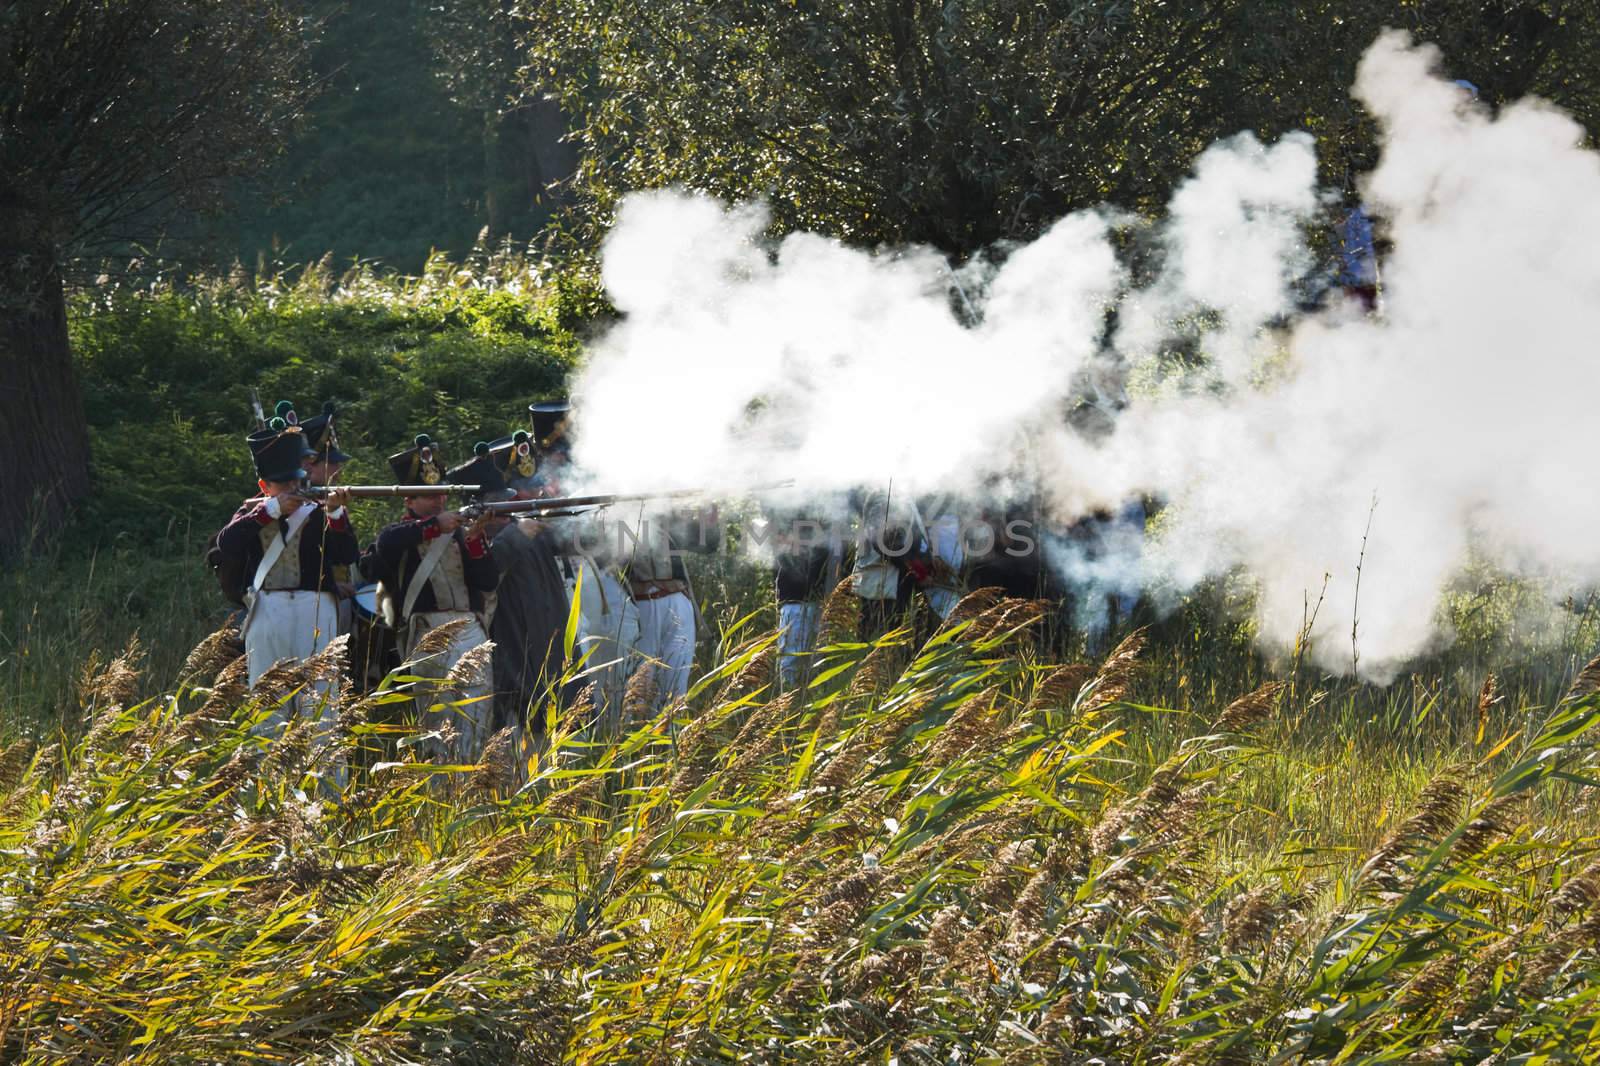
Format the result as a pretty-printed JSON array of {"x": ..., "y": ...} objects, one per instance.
[{"x": 167, "y": 374}]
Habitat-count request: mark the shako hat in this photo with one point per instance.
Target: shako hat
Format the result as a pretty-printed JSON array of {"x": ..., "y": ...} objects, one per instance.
[
  {"x": 419, "y": 464},
  {"x": 480, "y": 471},
  {"x": 550, "y": 421},
  {"x": 278, "y": 451},
  {"x": 321, "y": 437},
  {"x": 514, "y": 456}
]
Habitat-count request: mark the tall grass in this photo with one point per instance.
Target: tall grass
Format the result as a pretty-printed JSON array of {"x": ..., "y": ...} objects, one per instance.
[
  {"x": 64, "y": 615},
  {"x": 957, "y": 852}
]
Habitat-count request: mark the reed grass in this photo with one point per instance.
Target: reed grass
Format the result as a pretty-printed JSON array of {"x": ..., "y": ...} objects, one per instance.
[{"x": 974, "y": 854}]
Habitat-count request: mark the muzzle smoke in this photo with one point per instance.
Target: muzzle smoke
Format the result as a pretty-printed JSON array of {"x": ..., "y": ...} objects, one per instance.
[{"x": 1459, "y": 422}]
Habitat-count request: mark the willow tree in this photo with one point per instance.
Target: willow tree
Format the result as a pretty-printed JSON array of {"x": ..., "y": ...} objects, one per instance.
[
  {"x": 117, "y": 118},
  {"x": 960, "y": 123}
]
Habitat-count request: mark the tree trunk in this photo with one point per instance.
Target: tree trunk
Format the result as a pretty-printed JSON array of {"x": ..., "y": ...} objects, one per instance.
[
  {"x": 555, "y": 160},
  {"x": 44, "y": 445},
  {"x": 493, "y": 198}
]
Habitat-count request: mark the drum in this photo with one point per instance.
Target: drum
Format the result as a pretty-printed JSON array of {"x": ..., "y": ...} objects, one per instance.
[{"x": 366, "y": 601}]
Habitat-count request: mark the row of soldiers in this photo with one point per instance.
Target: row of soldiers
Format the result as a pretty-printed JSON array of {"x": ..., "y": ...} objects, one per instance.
[
  {"x": 476, "y": 579},
  {"x": 910, "y": 558}
]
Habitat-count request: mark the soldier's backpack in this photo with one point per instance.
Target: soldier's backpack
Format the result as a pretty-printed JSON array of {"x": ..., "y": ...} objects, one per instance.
[{"x": 228, "y": 572}]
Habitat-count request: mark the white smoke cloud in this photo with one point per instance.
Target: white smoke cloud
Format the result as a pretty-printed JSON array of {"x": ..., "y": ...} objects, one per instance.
[
  {"x": 1464, "y": 410},
  {"x": 860, "y": 369},
  {"x": 1234, "y": 246}
]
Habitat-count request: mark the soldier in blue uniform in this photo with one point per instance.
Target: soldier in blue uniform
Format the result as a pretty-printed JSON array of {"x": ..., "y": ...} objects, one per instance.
[
  {"x": 529, "y": 621},
  {"x": 435, "y": 568},
  {"x": 279, "y": 554}
]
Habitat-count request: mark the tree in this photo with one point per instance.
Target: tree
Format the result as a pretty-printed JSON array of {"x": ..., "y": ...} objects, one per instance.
[
  {"x": 117, "y": 117},
  {"x": 478, "y": 47},
  {"x": 389, "y": 166},
  {"x": 960, "y": 123}
]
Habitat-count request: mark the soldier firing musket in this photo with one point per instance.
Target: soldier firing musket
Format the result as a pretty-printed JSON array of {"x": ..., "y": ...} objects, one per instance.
[
  {"x": 281, "y": 558},
  {"x": 435, "y": 569},
  {"x": 531, "y": 608},
  {"x": 320, "y": 462},
  {"x": 535, "y": 462},
  {"x": 323, "y": 457}
]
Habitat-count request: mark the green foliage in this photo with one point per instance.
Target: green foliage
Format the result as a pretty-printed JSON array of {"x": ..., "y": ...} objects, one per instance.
[
  {"x": 971, "y": 121},
  {"x": 405, "y": 152},
  {"x": 166, "y": 377},
  {"x": 62, "y": 612},
  {"x": 526, "y": 159},
  {"x": 955, "y": 853},
  {"x": 120, "y": 116},
  {"x": 388, "y": 167}
]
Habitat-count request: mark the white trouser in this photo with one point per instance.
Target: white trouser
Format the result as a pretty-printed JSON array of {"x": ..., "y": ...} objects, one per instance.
[
  {"x": 666, "y": 640},
  {"x": 438, "y": 705},
  {"x": 288, "y": 625},
  {"x": 878, "y": 580},
  {"x": 608, "y": 633},
  {"x": 292, "y": 624},
  {"x": 797, "y": 632},
  {"x": 944, "y": 544}
]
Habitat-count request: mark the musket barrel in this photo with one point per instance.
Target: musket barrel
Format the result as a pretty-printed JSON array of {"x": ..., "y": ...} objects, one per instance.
[
  {"x": 606, "y": 498},
  {"x": 564, "y": 506},
  {"x": 551, "y": 503},
  {"x": 363, "y": 491}
]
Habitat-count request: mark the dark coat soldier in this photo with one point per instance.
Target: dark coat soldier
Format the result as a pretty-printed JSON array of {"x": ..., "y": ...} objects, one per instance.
[
  {"x": 437, "y": 569},
  {"x": 323, "y": 467},
  {"x": 538, "y": 464},
  {"x": 530, "y": 609},
  {"x": 321, "y": 464},
  {"x": 808, "y": 558},
  {"x": 278, "y": 557}
]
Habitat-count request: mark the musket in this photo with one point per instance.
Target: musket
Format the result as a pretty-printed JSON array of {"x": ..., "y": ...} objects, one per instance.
[
  {"x": 576, "y": 504},
  {"x": 317, "y": 492},
  {"x": 255, "y": 405},
  {"x": 564, "y": 506}
]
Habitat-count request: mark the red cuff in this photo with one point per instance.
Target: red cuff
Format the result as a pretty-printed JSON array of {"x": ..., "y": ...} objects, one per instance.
[
  {"x": 430, "y": 529},
  {"x": 260, "y": 516},
  {"x": 476, "y": 546},
  {"x": 340, "y": 524}
]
